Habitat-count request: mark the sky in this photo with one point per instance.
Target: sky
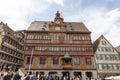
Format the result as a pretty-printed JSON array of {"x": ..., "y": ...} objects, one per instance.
[{"x": 101, "y": 17}]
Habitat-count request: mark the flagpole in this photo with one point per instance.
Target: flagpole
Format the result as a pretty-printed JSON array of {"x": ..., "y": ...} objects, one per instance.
[{"x": 30, "y": 60}]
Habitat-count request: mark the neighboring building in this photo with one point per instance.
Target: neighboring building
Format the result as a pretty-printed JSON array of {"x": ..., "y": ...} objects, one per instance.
[
  {"x": 11, "y": 48},
  {"x": 118, "y": 49},
  {"x": 106, "y": 57},
  {"x": 58, "y": 47}
]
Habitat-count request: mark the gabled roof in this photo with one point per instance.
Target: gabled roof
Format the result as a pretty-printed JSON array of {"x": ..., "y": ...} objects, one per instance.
[
  {"x": 45, "y": 25},
  {"x": 71, "y": 26},
  {"x": 97, "y": 42},
  {"x": 7, "y": 30}
]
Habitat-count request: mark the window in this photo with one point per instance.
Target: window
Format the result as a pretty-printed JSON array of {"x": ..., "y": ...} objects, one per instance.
[
  {"x": 105, "y": 66},
  {"x": 117, "y": 65},
  {"x": 110, "y": 66},
  {"x": 102, "y": 48},
  {"x": 98, "y": 49},
  {"x": 43, "y": 29},
  {"x": 76, "y": 61},
  {"x": 119, "y": 57},
  {"x": 104, "y": 43},
  {"x": 98, "y": 57},
  {"x": 113, "y": 57},
  {"x": 44, "y": 26},
  {"x": 88, "y": 61},
  {"x": 42, "y": 60},
  {"x": 106, "y": 49},
  {"x": 28, "y": 60},
  {"x": 55, "y": 60}
]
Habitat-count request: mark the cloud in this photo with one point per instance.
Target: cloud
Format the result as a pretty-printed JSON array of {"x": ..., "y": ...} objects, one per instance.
[
  {"x": 60, "y": 2},
  {"x": 113, "y": 36},
  {"x": 114, "y": 33},
  {"x": 100, "y": 20},
  {"x": 15, "y": 12},
  {"x": 106, "y": 22},
  {"x": 18, "y": 14}
]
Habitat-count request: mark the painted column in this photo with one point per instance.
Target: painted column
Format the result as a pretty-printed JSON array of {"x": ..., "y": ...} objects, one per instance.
[
  {"x": 46, "y": 73},
  {"x": 95, "y": 75},
  {"x": 83, "y": 75},
  {"x": 71, "y": 74}
]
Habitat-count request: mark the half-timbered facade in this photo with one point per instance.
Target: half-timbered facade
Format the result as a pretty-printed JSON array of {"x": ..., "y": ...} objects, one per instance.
[
  {"x": 107, "y": 58},
  {"x": 11, "y": 48}
]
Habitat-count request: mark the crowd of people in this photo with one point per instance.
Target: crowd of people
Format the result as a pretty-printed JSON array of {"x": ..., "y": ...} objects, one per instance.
[
  {"x": 10, "y": 75},
  {"x": 18, "y": 75}
]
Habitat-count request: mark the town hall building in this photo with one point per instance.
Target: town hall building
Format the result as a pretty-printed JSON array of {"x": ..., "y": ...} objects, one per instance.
[{"x": 61, "y": 48}]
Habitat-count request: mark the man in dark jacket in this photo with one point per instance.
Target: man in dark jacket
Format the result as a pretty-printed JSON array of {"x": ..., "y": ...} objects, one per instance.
[
  {"x": 16, "y": 76},
  {"x": 7, "y": 77}
]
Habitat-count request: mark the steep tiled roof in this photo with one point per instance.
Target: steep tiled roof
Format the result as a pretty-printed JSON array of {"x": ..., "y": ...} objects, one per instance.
[
  {"x": 45, "y": 25},
  {"x": 38, "y": 25},
  {"x": 7, "y": 30},
  {"x": 75, "y": 26},
  {"x": 96, "y": 43},
  {"x": 118, "y": 48}
]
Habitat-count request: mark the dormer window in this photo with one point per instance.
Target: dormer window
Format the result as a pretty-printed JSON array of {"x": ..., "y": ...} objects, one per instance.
[
  {"x": 7, "y": 33},
  {"x": 72, "y": 29},
  {"x": 43, "y": 29},
  {"x": 44, "y": 26},
  {"x": 45, "y": 23}
]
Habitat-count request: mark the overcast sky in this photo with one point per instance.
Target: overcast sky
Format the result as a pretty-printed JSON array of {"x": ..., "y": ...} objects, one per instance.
[{"x": 101, "y": 17}]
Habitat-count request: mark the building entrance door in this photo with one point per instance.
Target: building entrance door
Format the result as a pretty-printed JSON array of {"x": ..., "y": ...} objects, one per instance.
[
  {"x": 89, "y": 75},
  {"x": 66, "y": 73},
  {"x": 79, "y": 74}
]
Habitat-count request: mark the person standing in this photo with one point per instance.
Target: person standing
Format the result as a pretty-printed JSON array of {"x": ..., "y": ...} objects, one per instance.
[
  {"x": 17, "y": 77},
  {"x": 7, "y": 77},
  {"x": 33, "y": 77}
]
